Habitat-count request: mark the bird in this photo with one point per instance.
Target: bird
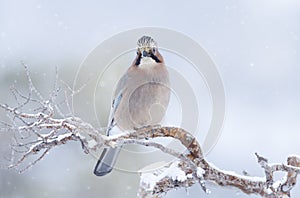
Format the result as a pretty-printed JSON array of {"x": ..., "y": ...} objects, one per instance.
[{"x": 140, "y": 99}]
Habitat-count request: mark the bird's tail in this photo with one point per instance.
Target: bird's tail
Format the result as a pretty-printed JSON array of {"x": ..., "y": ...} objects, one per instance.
[{"x": 106, "y": 161}]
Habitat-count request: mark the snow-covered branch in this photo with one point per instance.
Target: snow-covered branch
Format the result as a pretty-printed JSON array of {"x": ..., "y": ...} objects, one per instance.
[
  {"x": 37, "y": 131},
  {"x": 193, "y": 168}
]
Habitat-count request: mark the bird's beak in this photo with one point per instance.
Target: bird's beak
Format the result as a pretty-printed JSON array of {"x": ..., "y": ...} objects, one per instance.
[{"x": 145, "y": 53}]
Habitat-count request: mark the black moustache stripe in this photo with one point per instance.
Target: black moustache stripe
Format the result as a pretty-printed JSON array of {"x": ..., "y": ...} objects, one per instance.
[
  {"x": 138, "y": 60},
  {"x": 155, "y": 58}
]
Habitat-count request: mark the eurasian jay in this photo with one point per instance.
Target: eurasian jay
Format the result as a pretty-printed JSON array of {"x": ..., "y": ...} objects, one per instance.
[{"x": 141, "y": 98}]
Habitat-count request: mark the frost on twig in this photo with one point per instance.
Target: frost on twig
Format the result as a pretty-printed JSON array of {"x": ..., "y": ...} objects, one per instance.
[
  {"x": 51, "y": 123},
  {"x": 39, "y": 124}
]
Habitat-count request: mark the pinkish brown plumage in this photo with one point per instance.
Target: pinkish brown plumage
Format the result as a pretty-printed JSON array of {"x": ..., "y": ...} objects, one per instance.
[{"x": 140, "y": 99}]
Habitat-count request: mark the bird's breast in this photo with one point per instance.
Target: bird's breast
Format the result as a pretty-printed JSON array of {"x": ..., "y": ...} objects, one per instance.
[{"x": 146, "y": 97}]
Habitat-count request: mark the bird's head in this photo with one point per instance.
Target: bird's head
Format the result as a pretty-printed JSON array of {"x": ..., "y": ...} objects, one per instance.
[{"x": 147, "y": 47}]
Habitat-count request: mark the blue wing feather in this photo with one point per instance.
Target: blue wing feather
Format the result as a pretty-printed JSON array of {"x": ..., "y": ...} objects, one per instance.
[{"x": 121, "y": 86}]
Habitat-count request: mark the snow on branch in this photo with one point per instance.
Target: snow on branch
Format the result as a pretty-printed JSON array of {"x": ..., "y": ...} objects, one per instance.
[{"x": 37, "y": 131}]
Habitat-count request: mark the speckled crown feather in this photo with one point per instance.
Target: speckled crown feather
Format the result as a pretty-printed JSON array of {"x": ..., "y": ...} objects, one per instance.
[{"x": 146, "y": 42}]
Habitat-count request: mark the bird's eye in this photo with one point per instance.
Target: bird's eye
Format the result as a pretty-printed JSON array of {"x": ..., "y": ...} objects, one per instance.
[
  {"x": 137, "y": 52},
  {"x": 153, "y": 50}
]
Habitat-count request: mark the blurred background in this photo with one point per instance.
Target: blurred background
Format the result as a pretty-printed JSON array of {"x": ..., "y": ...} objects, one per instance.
[{"x": 255, "y": 45}]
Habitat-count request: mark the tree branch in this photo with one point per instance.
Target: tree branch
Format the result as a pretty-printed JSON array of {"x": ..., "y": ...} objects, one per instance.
[{"x": 37, "y": 131}]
